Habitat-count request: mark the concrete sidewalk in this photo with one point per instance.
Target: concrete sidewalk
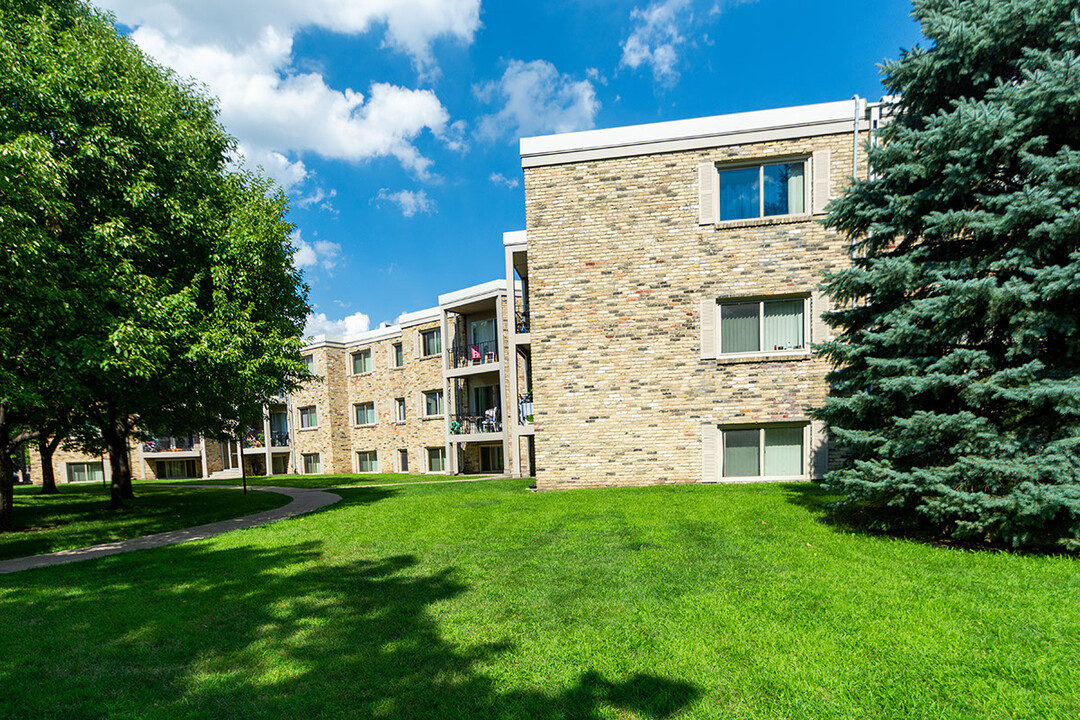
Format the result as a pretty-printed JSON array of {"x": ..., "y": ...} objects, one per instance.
[{"x": 304, "y": 500}]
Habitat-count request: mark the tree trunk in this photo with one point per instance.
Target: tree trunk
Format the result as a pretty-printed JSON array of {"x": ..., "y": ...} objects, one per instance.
[
  {"x": 115, "y": 434},
  {"x": 7, "y": 482},
  {"x": 46, "y": 448}
]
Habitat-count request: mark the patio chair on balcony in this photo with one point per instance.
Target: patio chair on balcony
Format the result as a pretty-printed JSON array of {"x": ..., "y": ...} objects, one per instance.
[
  {"x": 490, "y": 423},
  {"x": 475, "y": 354}
]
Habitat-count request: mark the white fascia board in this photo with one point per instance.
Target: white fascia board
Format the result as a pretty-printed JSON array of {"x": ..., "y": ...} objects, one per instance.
[
  {"x": 718, "y": 130},
  {"x": 318, "y": 341},
  {"x": 516, "y": 237},
  {"x": 476, "y": 292},
  {"x": 418, "y": 317},
  {"x": 369, "y": 336}
]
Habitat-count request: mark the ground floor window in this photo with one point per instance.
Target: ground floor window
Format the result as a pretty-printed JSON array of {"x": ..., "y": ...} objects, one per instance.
[
  {"x": 176, "y": 469},
  {"x": 491, "y": 458},
  {"x": 403, "y": 461},
  {"x": 85, "y": 472},
  {"x": 312, "y": 463},
  {"x": 280, "y": 464},
  {"x": 770, "y": 451},
  {"x": 436, "y": 459},
  {"x": 367, "y": 461}
]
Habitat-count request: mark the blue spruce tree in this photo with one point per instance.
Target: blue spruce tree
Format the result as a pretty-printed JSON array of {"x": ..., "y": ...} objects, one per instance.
[{"x": 956, "y": 388}]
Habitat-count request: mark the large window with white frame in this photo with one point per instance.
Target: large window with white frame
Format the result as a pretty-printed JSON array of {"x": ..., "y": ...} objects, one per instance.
[
  {"x": 430, "y": 343},
  {"x": 309, "y": 417},
  {"x": 763, "y": 326},
  {"x": 312, "y": 463},
  {"x": 436, "y": 459},
  {"x": 362, "y": 362},
  {"x": 768, "y": 451},
  {"x": 764, "y": 190},
  {"x": 367, "y": 461},
  {"x": 433, "y": 403},
  {"x": 364, "y": 413},
  {"x": 85, "y": 472}
]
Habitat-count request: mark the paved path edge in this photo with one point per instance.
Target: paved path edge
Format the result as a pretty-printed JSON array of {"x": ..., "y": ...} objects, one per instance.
[{"x": 304, "y": 500}]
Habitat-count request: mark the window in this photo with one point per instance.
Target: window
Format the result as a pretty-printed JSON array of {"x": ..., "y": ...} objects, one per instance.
[
  {"x": 280, "y": 464},
  {"x": 403, "y": 461},
  {"x": 361, "y": 362},
  {"x": 436, "y": 459},
  {"x": 762, "y": 326},
  {"x": 367, "y": 461},
  {"x": 309, "y": 417},
  {"x": 309, "y": 363},
  {"x": 763, "y": 191},
  {"x": 430, "y": 343},
  {"x": 312, "y": 463},
  {"x": 85, "y": 472},
  {"x": 365, "y": 413},
  {"x": 491, "y": 458},
  {"x": 433, "y": 403},
  {"x": 771, "y": 451},
  {"x": 397, "y": 356},
  {"x": 399, "y": 409},
  {"x": 176, "y": 469}
]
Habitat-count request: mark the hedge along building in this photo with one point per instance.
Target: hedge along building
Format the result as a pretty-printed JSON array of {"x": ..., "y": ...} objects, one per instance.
[{"x": 670, "y": 282}]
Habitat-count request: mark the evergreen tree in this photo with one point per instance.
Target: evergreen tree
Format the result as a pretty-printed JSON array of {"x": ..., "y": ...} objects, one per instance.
[{"x": 956, "y": 390}]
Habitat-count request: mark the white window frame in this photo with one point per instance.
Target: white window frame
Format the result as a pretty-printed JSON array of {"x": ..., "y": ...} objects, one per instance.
[
  {"x": 399, "y": 466},
  {"x": 761, "y": 164},
  {"x": 374, "y": 459},
  {"x": 309, "y": 363},
  {"x": 761, "y": 300},
  {"x": 356, "y": 410},
  {"x": 427, "y": 459},
  {"x": 395, "y": 348},
  {"x": 85, "y": 466},
  {"x": 314, "y": 411},
  {"x": 371, "y": 361},
  {"x": 400, "y": 412},
  {"x": 442, "y": 401},
  {"x": 305, "y": 461},
  {"x": 761, "y": 428},
  {"x": 423, "y": 345}
]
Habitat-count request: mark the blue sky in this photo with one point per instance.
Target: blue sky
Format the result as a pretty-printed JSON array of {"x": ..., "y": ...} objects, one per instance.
[{"x": 393, "y": 124}]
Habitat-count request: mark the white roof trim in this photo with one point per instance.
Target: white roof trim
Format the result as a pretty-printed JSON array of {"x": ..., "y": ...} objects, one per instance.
[
  {"x": 516, "y": 237},
  {"x": 675, "y": 135},
  {"x": 418, "y": 317},
  {"x": 476, "y": 292}
]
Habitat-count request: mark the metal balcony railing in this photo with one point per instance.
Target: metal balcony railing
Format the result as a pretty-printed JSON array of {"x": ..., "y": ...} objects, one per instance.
[
  {"x": 521, "y": 322},
  {"x": 525, "y": 408},
  {"x": 279, "y": 438},
  {"x": 186, "y": 443},
  {"x": 475, "y": 354},
  {"x": 465, "y": 424}
]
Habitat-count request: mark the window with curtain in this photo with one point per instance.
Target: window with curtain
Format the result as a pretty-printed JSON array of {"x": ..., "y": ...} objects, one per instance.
[
  {"x": 361, "y": 362},
  {"x": 768, "y": 451},
  {"x": 399, "y": 409},
  {"x": 433, "y": 402},
  {"x": 430, "y": 342},
  {"x": 765, "y": 190},
  {"x": 365, "y": 413},
  {"x": 436, "y": 458},
  {"x": 309, "y": 418},
  {"x": 367, "y": 461},
  {"x": 312, "y": 464},
  {"x": 398, "y": 355},
  {"x": 762, "y": 326}
]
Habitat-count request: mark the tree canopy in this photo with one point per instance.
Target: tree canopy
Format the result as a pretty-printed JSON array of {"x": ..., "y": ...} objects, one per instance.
[
  {"x": 956, "y": 391},
  {"x": 147, "y": 283}
]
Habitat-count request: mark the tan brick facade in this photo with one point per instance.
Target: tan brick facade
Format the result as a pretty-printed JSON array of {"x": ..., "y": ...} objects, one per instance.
[{"x": 619, "y": 267}]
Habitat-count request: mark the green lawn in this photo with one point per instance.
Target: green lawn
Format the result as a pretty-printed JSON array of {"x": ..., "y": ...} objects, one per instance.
[
  {"x": 80, "y": 515},
  {"x": 483, "y": 600},
  {"x": 322, "y": 481}
]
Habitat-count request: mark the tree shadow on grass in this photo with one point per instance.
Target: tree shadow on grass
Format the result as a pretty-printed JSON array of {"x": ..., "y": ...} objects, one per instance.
[{"x": 198, "y": 632}]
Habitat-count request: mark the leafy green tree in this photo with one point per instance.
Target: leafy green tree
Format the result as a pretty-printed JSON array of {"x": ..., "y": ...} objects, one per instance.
[
  {"x": 956, "y": 390},
  {"x": 153, "y": 287}
]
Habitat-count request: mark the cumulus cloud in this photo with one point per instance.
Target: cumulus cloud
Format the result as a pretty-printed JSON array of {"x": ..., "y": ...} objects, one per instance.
[
  {"x": 408, "y": 201},
  {"x": 657, "y": 36},
  {"x": 242, "y": 51},
  {"x": 320, "y": 324},
  {"x": 319, "y": 254},
  {"x": 536, "y": 99},
  {"x": 500, "y": 179}
]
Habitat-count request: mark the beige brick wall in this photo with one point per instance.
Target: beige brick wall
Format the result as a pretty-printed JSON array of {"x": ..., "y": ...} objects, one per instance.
[
  {"x": 618, "y": 267},
  {"x": 61, "y": 458}
]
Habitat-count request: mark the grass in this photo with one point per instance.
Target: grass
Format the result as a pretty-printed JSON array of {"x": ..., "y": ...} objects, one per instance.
[
  {"x": 80, "y": 515},
  {"x": 483, "y": 600},
  {"x": 322, "y": 481}
]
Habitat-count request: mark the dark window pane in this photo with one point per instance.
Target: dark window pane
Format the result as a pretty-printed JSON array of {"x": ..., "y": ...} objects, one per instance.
[{"x": 739, "y": 194}]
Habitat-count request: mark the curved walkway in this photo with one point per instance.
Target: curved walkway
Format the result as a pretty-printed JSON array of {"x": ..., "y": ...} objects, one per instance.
[{"x": 304, "y": 500}]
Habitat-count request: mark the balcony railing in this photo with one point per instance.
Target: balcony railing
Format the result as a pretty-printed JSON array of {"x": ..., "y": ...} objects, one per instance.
[
  {"x": 475, "y": 354},
  {"x": 521, "y": 322},
  {"x": 279, "y": 438},
  {"x": 171, "y": 444},
  {"x": 525, "y": 408},
  {"x": 463, "y": 424},
  {"x": 253, "y": 438}
]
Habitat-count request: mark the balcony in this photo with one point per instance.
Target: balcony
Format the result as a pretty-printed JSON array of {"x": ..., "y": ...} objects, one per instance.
[
  {"x": 482, "y": 353},
  {"x": 487, "y": 423},
  {"x": 170, "y": 444},
  {"x": 525, "y": 408},
  {"x": 279, "y": 438},
  {"x": 521, "y": 322}
]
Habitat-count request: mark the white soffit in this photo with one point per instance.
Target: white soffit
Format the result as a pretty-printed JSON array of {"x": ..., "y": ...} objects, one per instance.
[{"x": 695, "y": 133}]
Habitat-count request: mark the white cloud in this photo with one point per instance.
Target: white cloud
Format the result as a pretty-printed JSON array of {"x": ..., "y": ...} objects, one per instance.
[
  {"x": 319, "y": 197},
  {"x": 656, "y": 39},
  {"x": 320, "y": 324},
  {"x": 242, "y": 51},
  {"x": 536, "y": 99},
  {"x": 410, "y": 202},
  {"x": 319, "y": 254},
  {"x": 500, "y": 179}
]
